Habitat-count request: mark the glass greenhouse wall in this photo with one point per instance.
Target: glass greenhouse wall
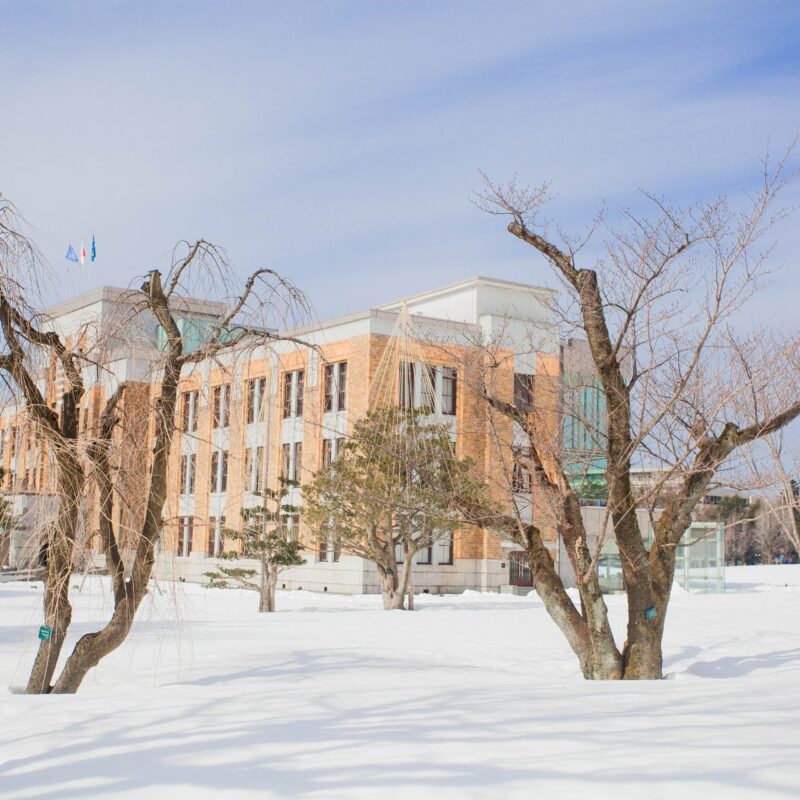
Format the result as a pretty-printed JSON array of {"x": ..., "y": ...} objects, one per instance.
[{"x": 699, "y": 563}]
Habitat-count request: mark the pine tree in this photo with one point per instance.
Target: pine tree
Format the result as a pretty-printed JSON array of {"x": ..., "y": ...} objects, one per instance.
[{"x": 264, "y": 537}]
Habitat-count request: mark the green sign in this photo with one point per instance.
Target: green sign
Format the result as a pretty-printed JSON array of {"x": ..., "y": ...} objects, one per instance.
[
  {"x": 651, "y": 613},
  {"x": 45, "y": 632}
]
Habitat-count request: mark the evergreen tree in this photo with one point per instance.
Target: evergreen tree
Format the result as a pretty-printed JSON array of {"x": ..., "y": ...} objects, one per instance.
[{"x": 266, "y": 538}]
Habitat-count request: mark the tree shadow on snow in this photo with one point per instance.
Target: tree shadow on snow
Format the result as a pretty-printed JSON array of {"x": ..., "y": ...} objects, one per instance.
[{"x": 739, "y": 666}]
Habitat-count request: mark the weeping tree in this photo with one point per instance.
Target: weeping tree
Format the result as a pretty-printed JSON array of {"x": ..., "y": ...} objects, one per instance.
[
  {"x": 396, "y": 487},
  {"x": 39, "y": 362},
  {"x": 264, "y": 537},
  {"x": 685, "y": 392}
]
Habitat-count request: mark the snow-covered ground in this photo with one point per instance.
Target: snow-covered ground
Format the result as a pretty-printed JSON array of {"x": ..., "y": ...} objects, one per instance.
[{"x": 471, "y": 696}]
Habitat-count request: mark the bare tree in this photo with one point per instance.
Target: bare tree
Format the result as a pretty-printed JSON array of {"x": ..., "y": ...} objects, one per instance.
[
  {"x": 661, "y": 296},
  {"x": 30, "y": 345}
]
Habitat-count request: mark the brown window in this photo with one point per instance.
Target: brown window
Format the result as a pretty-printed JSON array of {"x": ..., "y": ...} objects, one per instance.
[
  {"x": 342, "y": 387},
  {"x": 322, "y": 550},
  {"x": 329, "y": 387},
  {"x": 523, "y": 391},
  {"x": 445, "y": 548},
  {"x": 428, "y": 387},
  {"x": 215, "y": 536},
  {"x": 186, "y": 531},
  {"x": 189, "y": 407},
  {"x": 219, "y": 471},
  {"x": 184, "y": 462},
  {"x": 286, "y": 460},
  {"x": 520, "y": 476},
  {"x": 287, "y": 394},
  {"x": 222, "y": 404},
  {"x": 449, "y": 390},
  {"x": 259, "y": 469},
  {"x": 255, "y": 399},
  {"x": 327, "y": 452},
  {"x": 336, "y": 386},
  {"x": 406, "y": 384},
  {"x": 336, "y": 549},
  {"x": 298, "y": 461},
  {"x": 248, "y": 469},
  {"x": 299, "y": 391},
  {"x": 214, "y": 477},
  {"x": 224, "y": 472}
]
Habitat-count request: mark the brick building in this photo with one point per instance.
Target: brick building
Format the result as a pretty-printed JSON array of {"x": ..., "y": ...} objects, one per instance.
[{"x": 259, "y": 412}]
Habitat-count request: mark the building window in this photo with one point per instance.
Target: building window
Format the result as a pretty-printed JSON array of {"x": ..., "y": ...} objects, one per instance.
[
  {"x": 299, "y": 392},
  {"x": 523, "y": 392},
  {"x": 449, "y": 390},
  {"x": 337, "y": 549},
  {"x": 185, "y": 533},
  {"x": 322, "y": 550},
  {"x": 520, "y": 476},
  {"x": 192, "y": 467},
  {"x": 215, "y": 536},
  {"x": 219, "y": 471},
  {"x": 293, "y": 390},
  {"x": 327, "y": 452},
  {"x": 428, "y": 387},
  {"x": 331, "y": 449},
  {"x": 297, "y": 462},
  {"x": 291, "y": 522},
  {"x": 259, "y": 469},
  {"x": 249, "y": 467},
  {"x": 222, "y": 404},
  {"x": 336, "y": 386},
  {"x": 255, "y": 399},
  {"x": 189, "y": 407},
  {"x": 445, "y": 550},
  {"x": 407, "y": 384},
  {"x": 188, "y": 464},
  {"x": 425, "y": 556},
  {"x": 286, "y": 460}
]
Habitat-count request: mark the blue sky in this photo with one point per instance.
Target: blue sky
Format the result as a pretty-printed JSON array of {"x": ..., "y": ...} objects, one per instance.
[{"x": 340, "y": 143}]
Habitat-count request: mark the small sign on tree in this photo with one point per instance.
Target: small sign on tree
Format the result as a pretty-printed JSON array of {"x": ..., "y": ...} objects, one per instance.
[{"x": 45, "y": 633}]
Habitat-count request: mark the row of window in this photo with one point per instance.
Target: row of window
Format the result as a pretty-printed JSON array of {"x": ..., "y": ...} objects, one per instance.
[
  {"x": 428, "y": 387},
  {"x": 215, "y": 535},
  {"x": 335, "y": 397},
  {"x": 326, "y": 551},
  {"x": 421, "y": 386},
  {"x": 291, "y": 462}
]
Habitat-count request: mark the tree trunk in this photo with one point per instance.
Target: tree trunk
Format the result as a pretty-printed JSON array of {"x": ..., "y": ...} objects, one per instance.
[
  {"x": 57, "y": 615},
  {"x": 393, "y": 593},
  {"x": 59, "y": 549},
  {"x": 269, "y": 581}
]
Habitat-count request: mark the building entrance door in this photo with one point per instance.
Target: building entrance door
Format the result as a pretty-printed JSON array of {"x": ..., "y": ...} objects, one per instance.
[{"x": 519, "y": 573}]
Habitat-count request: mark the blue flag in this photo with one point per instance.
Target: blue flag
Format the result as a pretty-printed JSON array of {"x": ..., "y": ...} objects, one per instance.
[
  {"x": 71, "y": 254},
  {"x": 94, "y": 249}
]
